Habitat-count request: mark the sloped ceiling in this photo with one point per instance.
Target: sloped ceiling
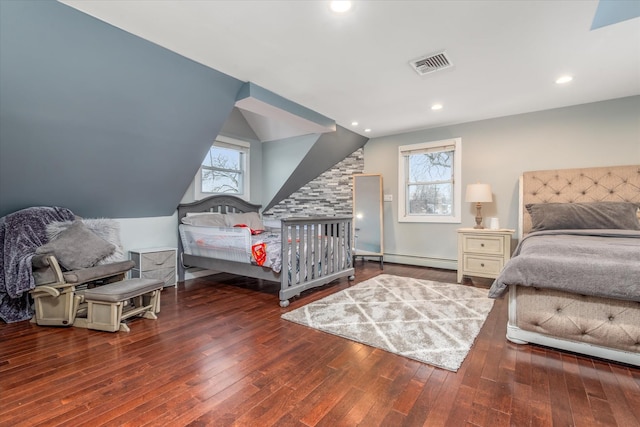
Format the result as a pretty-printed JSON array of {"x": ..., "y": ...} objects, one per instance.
[
  {"x": 97, "y": 120},
  {"x": 270, "y": 128},
  {"x": 329, "y": 149},
  {"x": 611, "y": 12},
  {"x": 298, "y": 144},
  {"x": 102, "y": 122},
  {"x": 506, "y": 55},
  {"x": 273, "y": 117}
]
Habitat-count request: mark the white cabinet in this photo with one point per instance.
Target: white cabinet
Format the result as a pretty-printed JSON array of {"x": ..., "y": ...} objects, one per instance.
[
  {"x": 483, "y": 252},
  {"x": 155, "y": 263}
]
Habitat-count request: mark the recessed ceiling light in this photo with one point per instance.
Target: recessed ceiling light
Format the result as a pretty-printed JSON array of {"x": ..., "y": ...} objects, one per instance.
[
  {"x": 340, "y": 6},
  {"x": 354, "y": 123},
  {"x": 436, "y": 107},
  {"x": 564, "y": 79},
  {"x": 367, "y": 130}
]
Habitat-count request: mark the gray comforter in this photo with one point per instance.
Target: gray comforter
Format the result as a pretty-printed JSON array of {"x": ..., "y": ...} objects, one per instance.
[{"x": 604, "y": 263}]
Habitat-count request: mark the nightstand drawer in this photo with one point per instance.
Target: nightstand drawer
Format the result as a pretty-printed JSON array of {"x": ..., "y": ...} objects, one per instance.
[
  {"x": 482, "y": 265},
  {"x": 483, "y": 244},
  {"x": 483, "y": 252},
  {"x": 167, "y": 275},
  {"x": 153, "y": 260}
]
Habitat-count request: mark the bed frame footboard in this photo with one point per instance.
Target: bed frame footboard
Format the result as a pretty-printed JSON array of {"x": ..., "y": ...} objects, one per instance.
[
  {"x": 317, "y": 251},
  {"x": 599, "y": 327}
]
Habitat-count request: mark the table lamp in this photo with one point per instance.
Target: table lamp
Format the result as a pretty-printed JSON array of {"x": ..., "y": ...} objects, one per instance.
[{"x": 478, "y": 194}]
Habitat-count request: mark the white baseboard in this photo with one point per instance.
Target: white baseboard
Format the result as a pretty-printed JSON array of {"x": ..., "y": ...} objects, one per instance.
[{"x": 447, "y": 264}]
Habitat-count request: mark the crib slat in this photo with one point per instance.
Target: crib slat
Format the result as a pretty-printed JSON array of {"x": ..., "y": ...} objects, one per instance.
[
  {"x": 335, "y": 238},
  {"x": 328, "y": 233},
  {"x": 302, "y": 250},
  {"x": 309, "y": 251},
  {"x": 317, "y": 257},
  {"x": 293, "y": 255},
  {"x": 340, "y": 226},
  {"x": 285, "y": 280},
  {"x": 323, "y": 254}
]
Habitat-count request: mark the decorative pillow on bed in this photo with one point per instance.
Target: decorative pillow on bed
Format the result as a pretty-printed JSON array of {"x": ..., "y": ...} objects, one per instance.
[
  {"x": 77, "y": 247},
  {"x": 206, "y": 219},
  {"x": 596, "y": 215},
  {"x": 250, "y": 219}
]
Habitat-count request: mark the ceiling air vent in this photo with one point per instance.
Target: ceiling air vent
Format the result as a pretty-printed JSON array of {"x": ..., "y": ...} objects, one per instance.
[{"x": 429, "y": 64}]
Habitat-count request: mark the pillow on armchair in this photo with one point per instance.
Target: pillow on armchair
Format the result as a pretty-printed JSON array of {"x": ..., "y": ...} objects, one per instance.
[
  {"x": 77, "y": 247},
  {"x": 106, "y": 228}
]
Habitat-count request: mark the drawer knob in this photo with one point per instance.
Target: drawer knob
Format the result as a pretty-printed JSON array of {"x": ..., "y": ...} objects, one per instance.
[
  {"x": 482, "y": 264},
  {"x": 482, "y": 244}
]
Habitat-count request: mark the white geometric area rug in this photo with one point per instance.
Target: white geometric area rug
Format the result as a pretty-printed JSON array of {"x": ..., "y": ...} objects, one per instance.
[{"x": 435, "y": 323}]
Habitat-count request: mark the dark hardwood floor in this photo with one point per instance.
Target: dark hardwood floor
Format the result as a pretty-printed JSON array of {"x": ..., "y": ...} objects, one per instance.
[{"x": 219, "y": 354}]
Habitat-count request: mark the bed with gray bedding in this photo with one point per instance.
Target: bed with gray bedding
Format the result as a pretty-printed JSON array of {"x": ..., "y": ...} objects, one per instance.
[
  {"x": 603, "y": 263},
  {"x": 573, "y": 282}
]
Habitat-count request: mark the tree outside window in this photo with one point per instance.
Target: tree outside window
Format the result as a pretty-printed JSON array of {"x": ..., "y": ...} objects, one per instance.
[
  {"x": 222, "y": 171},
  {"x": 430, "y": 187},
  {"x": 429, "y": 177}
]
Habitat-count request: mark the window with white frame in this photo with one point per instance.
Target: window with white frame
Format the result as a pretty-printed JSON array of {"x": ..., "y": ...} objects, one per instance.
[
  {"x": 224, "y": 169},
  {"x": 429, "y": 177}
]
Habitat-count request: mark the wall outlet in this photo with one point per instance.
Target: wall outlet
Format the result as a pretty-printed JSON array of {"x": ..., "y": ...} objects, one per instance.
[{"x": 388, "y": 197}]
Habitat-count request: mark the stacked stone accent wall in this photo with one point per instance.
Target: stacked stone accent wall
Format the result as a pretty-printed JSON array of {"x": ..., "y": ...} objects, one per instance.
[{"x": 329, "y": 194}]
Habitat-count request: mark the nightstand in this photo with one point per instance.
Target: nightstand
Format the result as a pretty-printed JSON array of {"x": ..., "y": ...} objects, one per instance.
[
  {"x": 483, "y": 252},
  {"x": 155, "y": 263}
]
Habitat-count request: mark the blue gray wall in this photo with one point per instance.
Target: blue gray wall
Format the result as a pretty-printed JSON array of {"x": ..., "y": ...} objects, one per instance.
[
  {"x": 102, "y": 122},
  {"x": 496, "y": 152},
  {"x": 97, "y": 120}
]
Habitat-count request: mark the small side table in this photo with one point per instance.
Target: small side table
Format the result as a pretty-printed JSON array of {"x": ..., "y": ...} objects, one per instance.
[
  {"x": 483, "y": 252},
  {"x": 155, "y": 263}
]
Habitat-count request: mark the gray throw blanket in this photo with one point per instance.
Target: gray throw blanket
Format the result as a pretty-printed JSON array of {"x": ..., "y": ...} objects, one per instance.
[
  {"x": 602, "y": 263},
  {"x": 21, "y": 233}
]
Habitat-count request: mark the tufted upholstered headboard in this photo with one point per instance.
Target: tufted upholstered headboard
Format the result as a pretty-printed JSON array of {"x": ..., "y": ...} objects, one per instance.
[{"x": 602, "y": 184}]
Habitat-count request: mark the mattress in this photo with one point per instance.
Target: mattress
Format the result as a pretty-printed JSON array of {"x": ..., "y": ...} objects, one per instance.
[
  {"x": 232, "y": 244},
  {"x": 265, "y": 249}
]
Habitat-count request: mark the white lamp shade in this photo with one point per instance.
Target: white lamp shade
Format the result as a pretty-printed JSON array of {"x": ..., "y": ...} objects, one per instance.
[{"x": 478, "y": 193}]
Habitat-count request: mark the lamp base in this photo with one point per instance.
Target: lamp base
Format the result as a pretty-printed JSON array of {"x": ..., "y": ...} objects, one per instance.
[{"x": 478, "y": 216}]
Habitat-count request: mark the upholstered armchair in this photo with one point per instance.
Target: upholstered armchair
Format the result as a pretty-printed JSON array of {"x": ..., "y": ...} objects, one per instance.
[
  {"x": 78, "y": 256},
  {"x": 58, "y": 269},
  {"x": 58, "y": 295}
]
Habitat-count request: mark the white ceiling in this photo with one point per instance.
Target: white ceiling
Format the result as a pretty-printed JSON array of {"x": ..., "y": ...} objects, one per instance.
[{"x": 506, "y": 54}]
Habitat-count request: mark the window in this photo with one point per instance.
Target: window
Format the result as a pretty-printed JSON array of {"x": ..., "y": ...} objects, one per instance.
[
  {"x": 224, "y": 169},
  {"x": 429, "y": 177}
]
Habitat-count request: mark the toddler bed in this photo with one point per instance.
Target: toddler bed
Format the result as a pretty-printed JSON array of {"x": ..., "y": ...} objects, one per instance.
[
  {"x": 225, "y": 234},
  {"x": 573, "y": 281}
]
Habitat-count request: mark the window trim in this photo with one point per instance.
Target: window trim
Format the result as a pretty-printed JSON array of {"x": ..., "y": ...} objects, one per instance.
[
  {"x": 456, "y": 216},
  {"x": 236, "y": 144}
]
